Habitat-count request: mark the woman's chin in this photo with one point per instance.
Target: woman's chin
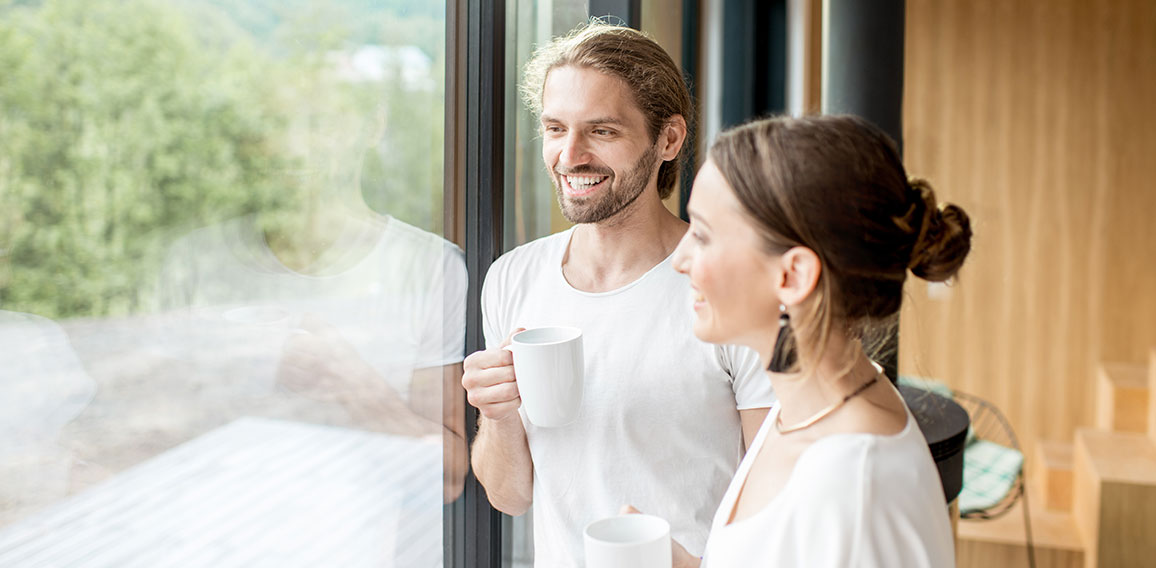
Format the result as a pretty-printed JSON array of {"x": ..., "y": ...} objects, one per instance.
[{"x": 708, "y": 333}]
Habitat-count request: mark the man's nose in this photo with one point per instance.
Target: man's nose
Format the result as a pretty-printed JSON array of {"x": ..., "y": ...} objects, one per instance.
[{"x": 574, "y": 150}]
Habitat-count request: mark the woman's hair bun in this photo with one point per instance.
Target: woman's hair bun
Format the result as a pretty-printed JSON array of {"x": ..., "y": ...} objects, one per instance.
[{"x": 944, "y": 239}]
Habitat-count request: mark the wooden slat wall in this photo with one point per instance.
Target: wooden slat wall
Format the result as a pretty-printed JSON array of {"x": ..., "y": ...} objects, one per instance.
[{"x": 1039, "y": 118}]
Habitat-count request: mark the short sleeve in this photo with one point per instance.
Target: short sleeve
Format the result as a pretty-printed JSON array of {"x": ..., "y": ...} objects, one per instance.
[
  {"x": 491, "y": 307},
  {"x": 750, "y": 382},
  {"x": 454, "y": 300},
  {"x": 444, "y": 342}
]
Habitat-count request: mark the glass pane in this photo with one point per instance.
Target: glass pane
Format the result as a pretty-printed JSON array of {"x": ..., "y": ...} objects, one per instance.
[
  {"x": 531, "y": 206},
  {"x": 531, "y": 209},
  {"x": 230, "y": 327}
]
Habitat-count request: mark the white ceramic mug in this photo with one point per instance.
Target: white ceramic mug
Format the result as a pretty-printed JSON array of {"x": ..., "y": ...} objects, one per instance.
[
  {"x": 628, "y": 541},
  {"x": 549, "y": 370}
]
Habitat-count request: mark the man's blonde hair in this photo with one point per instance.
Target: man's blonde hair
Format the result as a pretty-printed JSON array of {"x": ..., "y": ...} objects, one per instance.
[{"x": 658, "y": 86}]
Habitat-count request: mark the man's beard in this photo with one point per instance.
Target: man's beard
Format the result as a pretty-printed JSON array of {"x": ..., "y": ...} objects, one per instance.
[{"x": 607, "y": 202}]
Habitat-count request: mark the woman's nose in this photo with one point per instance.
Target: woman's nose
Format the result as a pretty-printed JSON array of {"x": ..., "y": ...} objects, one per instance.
[{"x": 681, "y": 258}]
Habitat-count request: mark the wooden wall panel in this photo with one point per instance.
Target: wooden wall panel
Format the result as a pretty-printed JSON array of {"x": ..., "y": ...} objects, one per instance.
[{"x": 1039, "y": 118}]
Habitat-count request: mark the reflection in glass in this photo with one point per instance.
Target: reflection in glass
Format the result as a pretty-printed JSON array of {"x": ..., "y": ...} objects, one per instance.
[
  {"x": 42, "y": 388},
  {"x": 226, "y": 218}
]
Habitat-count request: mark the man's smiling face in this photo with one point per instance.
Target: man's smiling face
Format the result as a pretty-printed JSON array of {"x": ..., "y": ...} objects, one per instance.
[{"x": 595, "y": 144}]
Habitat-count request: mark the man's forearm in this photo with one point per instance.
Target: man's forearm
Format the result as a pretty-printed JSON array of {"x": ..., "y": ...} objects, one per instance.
[
  {"x": 454, "y": 464},
  {"x": 501, "y": 460}
]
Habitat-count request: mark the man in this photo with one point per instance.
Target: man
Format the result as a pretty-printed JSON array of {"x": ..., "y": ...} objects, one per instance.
[{"x": 664, "y": 416}]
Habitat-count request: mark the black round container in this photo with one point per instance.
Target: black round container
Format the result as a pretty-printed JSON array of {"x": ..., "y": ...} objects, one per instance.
[{"x": 944, "y": 423}]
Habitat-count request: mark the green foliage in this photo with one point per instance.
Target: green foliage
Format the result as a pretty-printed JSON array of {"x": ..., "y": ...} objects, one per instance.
[
  {"x": 116, "y": 128},
  {"x": 126, "y": 122}
]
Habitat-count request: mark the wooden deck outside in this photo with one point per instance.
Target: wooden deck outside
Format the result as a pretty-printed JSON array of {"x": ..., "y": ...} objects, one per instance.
[{"x": 255, "y": 492}]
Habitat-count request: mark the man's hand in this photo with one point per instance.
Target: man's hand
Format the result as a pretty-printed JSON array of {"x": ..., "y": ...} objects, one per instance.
[
  {"x": 501, "y": 453},
  {"x": 319, "y": 363},
  {"x": 490, "y": 382}
]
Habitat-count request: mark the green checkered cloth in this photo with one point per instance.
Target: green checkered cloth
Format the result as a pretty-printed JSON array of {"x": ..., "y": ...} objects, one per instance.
[{"x": 989, "y": 472}]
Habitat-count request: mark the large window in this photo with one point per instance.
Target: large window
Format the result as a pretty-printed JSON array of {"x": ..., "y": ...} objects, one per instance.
[
  {"x": 230, "y": 326},
  {"x": 231, "y": 317}
]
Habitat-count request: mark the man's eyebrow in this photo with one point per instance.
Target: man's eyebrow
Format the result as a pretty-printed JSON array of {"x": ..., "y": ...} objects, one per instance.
[
  {"x": 601, "y": 120},
  {"x": 606, "y": 120}
]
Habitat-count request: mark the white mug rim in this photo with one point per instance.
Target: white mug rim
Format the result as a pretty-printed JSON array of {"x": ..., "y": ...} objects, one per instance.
[
  {"x": 657, "y": 521},
  {"x": 573, "y": 333}
]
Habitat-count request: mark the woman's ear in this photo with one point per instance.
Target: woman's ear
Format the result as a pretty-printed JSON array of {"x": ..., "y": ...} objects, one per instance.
[{"x": 798, "y": 275}]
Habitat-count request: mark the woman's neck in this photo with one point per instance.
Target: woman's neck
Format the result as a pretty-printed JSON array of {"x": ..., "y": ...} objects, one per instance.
[{"x": 842, "y": 368}]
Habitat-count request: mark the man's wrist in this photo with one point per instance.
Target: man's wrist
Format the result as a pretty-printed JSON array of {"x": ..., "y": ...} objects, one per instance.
[{"x": 509, "y": 421}]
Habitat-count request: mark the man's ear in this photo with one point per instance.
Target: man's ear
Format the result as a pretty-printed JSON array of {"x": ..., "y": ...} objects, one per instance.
[
  {"x": 672, "y": 137},
  {"x": 798, "y": 275}
]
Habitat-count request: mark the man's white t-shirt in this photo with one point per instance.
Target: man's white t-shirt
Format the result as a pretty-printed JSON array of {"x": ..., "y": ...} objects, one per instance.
[
  {"x": 852, "y": 500},
  {"x": 659, "y": 426}
]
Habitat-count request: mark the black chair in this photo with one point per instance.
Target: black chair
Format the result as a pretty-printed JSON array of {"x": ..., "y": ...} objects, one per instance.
[{"x": 988, "y": 423}]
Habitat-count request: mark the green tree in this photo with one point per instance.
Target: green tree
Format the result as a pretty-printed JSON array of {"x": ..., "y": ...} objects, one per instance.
[
  {"x": 117, "y": 127},
  {"x": 124, "y": 123}
]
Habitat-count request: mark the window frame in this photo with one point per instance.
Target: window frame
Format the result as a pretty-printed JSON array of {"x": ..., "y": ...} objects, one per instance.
[{"x": 475, "y": 144}]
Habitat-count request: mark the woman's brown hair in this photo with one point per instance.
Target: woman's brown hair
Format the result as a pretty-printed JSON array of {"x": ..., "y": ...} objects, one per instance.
[{"x": 836, "y": 185}]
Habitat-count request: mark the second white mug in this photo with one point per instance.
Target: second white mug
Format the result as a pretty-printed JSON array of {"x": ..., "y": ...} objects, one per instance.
[
  {"x": 548, "y": 364},
  {"x": 628, "y": 541}
]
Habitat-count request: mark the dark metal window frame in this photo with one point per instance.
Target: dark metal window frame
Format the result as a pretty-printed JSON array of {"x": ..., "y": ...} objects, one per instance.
[{"x": 475, "y": 145}]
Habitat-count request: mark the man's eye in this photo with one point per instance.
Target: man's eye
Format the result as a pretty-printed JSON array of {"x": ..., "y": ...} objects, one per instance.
[{"x": 603, "y": 132}]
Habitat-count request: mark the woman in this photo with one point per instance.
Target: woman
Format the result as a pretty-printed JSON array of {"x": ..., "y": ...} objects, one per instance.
[{"x": 802, "y": 232}]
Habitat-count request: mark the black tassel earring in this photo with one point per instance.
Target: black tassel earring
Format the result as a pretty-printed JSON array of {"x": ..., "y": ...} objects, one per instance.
[{"x": 783, "y": 357}]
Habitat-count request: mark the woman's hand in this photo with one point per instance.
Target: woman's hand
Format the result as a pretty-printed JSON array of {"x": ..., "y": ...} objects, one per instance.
[{"x": 679, "y": 556}]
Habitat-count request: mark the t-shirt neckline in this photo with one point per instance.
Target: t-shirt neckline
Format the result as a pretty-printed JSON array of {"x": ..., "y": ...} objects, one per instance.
[{"x": 561, "y": 253}]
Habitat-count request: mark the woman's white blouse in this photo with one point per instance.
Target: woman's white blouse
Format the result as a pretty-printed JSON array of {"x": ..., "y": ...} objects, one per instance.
[{"x": 859, "y": 500}]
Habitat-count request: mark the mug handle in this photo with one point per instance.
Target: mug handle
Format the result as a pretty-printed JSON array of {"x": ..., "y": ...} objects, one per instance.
[{"x": 509, "y": 346}]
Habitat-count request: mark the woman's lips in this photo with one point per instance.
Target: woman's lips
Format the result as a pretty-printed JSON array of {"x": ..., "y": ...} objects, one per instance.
[{"x": 698, "y": 299}]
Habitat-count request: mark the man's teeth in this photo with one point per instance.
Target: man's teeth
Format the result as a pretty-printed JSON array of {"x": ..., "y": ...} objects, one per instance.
[{"x": 583, "y": 182}]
